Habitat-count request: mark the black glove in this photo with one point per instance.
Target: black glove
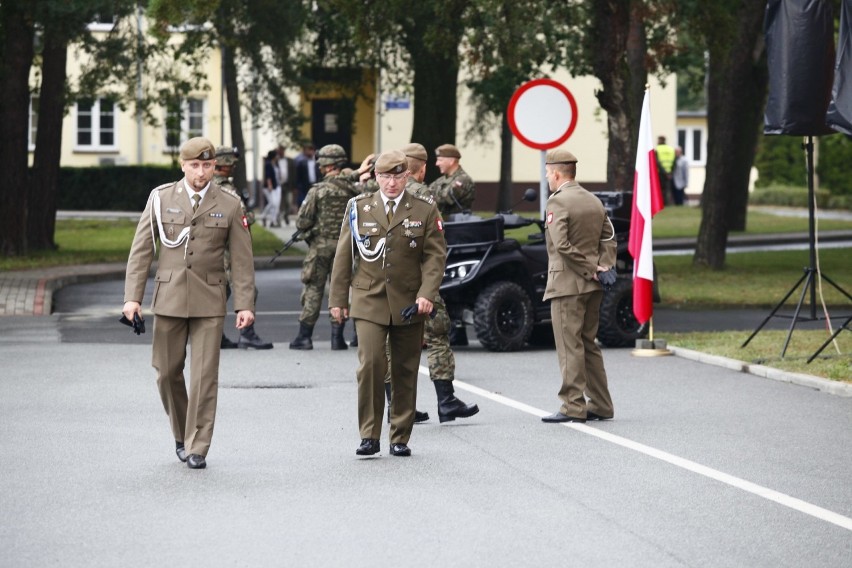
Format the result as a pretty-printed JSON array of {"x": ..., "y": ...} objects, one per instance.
[
  {"x": 138, "y": 324},
  {"x": 608, "y": 278},
  {"x": 411, "y": 310}
]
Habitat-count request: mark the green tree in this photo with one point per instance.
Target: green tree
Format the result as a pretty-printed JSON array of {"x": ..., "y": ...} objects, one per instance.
[{"x": 780, "y": 160}]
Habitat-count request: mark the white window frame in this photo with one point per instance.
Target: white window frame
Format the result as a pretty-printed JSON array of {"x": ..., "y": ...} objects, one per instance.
[
  {"x": 96, "y": 129},
  {"x": 33, "y": 124},
  {"x": 187, "y": 129},
  {"x": 100, "y": 26},
  {"x": 689, "y": 146}
]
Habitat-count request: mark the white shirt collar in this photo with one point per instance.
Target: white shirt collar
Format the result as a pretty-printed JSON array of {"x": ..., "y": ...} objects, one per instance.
[
  {"x": 190, "y": 191},
  {"x": 396, "y": 199}
]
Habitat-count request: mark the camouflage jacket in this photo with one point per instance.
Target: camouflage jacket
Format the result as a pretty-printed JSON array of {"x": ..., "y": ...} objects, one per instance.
[
  {"x": 225, "y": 185},
  {"x": 458, "y": 185},
  {"x": 418, "y": 188},
  {"x": 322, "y": 210}
]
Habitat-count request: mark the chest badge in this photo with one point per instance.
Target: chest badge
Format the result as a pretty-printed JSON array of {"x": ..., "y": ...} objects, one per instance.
[{"x": 412, "y": 244}]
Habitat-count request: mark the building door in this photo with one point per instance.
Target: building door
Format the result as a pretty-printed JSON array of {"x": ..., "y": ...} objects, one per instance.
[{"x": 331, "y": 123}]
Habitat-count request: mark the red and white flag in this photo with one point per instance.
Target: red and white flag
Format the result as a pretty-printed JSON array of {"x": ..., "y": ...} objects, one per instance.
[{"x": 647, "y": 202}]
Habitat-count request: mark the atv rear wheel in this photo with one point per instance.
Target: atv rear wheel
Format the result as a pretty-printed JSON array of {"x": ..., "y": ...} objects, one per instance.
[
  {"x": 503, "y": 317},
  {"x": 618, "y": 326}
]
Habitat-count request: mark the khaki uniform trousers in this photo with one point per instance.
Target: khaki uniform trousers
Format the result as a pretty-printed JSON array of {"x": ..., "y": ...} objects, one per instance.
[
  {"x": 575, "y": 325},
  {"x": 404, "y": 342},
  {"x": 192, "y": 417}
]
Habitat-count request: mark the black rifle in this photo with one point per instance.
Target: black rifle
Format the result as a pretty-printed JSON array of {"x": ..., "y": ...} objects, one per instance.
[{"x": 287, "y": 245}]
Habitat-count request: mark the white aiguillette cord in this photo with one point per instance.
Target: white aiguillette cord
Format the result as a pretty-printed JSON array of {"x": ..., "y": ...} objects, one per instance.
[
  {"x": 366, "y": 253},
  {"x": 183, "y": 236}
]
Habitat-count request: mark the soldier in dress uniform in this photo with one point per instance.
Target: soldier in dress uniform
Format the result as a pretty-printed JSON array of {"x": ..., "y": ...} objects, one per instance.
[
  {"x": 390, "y": 256},
  {"x": 319, "y": 220},
  {"x": 227, "y": 158},
  {"x": 580, "y": 244},
  {"x": 454, "y": 190},
  {"x": 194, "y": 223}
]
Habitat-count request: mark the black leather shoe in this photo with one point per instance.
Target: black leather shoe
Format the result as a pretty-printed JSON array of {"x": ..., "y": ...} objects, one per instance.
[
  {"x": 592, "y": 416},
  {"x": 400, "y": 450},
  {"x": 250, "y": 339},
  {"x": 559, "y": 417},
  {"x": 420, "y": 416},
  {"x": 368, "y": 447},
  {"x": 195, "y": 461},
  {"x": 227, "y": 343},
  {"x": 180, "y": 451}
]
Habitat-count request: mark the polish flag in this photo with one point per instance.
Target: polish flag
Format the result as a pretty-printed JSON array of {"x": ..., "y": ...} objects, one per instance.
[{"x": 647, "y": 202}]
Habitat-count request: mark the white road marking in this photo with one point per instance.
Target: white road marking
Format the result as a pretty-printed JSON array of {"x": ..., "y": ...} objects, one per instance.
[{"x": 753, "y": 488}]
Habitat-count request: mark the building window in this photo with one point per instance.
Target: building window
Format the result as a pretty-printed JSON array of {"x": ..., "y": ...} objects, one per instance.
[
  {"x": 96, "y": 125},
  {"x": 103, "y": 22},
  {"x": 31, "y": 138},
  {"x": 184, "y": 120},
  {"x": 693, "y": 142}
]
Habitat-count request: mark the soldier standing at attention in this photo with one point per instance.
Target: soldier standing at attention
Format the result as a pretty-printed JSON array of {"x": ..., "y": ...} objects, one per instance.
[
  {"x": 195, "y": 223},
  {"x": 319, "y": 220},
  {"x": 580, "y": 244},
  {"x": 227, "y": 158},
  {"x": 401, "y": 253},
  {"x": 442, "y": 362},
  {"x": 454, "y": 190}
]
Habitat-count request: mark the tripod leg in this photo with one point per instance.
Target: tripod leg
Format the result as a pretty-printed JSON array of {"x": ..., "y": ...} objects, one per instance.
[
  {"x": 832, "y": 338},
  {"x": 775, "y": 309},
  {"x": 809, "y": 280},
  {"x": 839, "y": 289}
]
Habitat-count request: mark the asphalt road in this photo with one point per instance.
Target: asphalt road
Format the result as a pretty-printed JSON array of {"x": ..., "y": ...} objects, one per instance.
[{"x": 701, "y": 467}]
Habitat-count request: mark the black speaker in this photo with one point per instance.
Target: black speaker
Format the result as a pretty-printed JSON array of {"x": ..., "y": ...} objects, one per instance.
[
  {"x": 839, "y": 115},
  {"x": 800, "y": 56}
]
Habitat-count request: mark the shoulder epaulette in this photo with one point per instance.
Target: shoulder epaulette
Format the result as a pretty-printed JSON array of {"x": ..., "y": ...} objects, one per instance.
[
  {"x": 427, "y": 198},
  {"x": 362, "y": 196}
]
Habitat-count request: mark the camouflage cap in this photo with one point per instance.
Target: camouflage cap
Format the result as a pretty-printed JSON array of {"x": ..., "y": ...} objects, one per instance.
[
  {"x": 197, "y": 148},
  {"x": 448, "y": 151},
  {"x": 415, "y": 150},
  {"x": 392, "y": 162},
  {"x": 227, "y": 155},
  {"x": 560, "y": 156},
  {"x": 331, "y": 155}
]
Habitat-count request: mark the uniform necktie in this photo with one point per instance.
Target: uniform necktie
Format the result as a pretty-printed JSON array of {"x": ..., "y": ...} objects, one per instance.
[
  {"x": 390, "y": 210},
  {"x": 196, "y": 199}
]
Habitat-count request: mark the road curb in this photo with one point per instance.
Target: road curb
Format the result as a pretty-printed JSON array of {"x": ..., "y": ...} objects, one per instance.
[{"x": 818, "y": 383}]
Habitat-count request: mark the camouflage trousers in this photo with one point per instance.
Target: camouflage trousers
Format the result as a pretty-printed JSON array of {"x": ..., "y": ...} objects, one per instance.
[
  {"x": 442, "y": 362},
  {"x": 315, "y": 273}
]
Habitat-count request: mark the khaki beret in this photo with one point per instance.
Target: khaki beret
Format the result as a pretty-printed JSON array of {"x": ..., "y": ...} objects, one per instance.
[
  {"x": 392, "y": 162},
  {"x": 560, "y": 156},
  {"x": 197, "y": 149},
  {"x": 415, "y": 150},
  {"x": 448, "y": 151}
]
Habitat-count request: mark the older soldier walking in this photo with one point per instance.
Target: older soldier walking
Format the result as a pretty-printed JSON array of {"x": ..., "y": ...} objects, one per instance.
[
  {"x": 400, "y": 262},
  {"x": 227, "y": 158},
  {"x": 195, "y": 223},
  {"x": 580, "y": 244},
  {"x": 454, "y": 190},
  {"x": 319, "y": 220}
]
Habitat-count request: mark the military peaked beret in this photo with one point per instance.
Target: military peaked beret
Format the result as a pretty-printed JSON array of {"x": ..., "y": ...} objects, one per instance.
[
  {"x": 392, "y": 162},
  {"x": 415, "y": 150},
  {"x": 448, "y": 151},
  {"x": 560, "y": 156},
  {"x": 197, "y": 149}
]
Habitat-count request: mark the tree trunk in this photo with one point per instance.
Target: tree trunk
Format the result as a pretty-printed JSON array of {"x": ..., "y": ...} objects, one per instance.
[
  {"x": 233, "y": 94},
  {"x": 15, "y": 61},
  {"x": 736, "y": 94},
  {"x": 44, "y": 187},
  {"x": 504, "y": 196}
]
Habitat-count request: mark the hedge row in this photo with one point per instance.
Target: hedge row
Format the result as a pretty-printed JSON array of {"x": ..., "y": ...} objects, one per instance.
[
  {"x": 111, "y": 188},
  {"x": 780, "y": 160},
  {"x": 796, "y": 196}
]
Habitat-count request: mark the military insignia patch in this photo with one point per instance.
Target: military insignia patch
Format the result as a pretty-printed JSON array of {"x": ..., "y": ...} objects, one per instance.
[
  {"x": 440, "y": 225},
  {"x": 415, "y": 224},
  {"x": 217, "y": 215},
  {"x": 245, "y": 222},
  {"x": 367, "y": 208},
  {"x": 458, "y": 183},
  {"x": 550, "y": 218},
  {"x": 412, "y": 244}
]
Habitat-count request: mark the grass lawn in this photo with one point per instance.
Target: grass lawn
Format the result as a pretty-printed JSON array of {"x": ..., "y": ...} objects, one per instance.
[
  {"x": 765, "y": 349},
  {"x": 684, "y": 222},
  {"x": 94, "y": 241}
]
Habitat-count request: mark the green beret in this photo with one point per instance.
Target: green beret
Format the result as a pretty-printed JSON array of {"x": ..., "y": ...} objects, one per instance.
[
  {"x": 560, "y": 156},
  {"x": 448, "y": 151},
  {"x": 415, "y": 150},
  {"x": 392, "y": 162},
  {"x": 197, "y": 149}
]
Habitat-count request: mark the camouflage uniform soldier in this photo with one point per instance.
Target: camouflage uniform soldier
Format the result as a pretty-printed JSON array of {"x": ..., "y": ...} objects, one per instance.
[
  {"x": 227, "y": 158},
  {"x": 320, "y": 217},
  {"x": 442, "y": 362},
  {"x": 454, "y": 190}
]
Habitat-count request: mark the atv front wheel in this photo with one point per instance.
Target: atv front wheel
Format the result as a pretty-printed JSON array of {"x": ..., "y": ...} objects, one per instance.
[
  {"x": 503, "y": 317},
  {"x": 618, "y": 326}
]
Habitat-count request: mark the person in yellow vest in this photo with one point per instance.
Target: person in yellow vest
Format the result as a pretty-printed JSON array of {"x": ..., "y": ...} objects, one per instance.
[{"x": 665, "y": 166}]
